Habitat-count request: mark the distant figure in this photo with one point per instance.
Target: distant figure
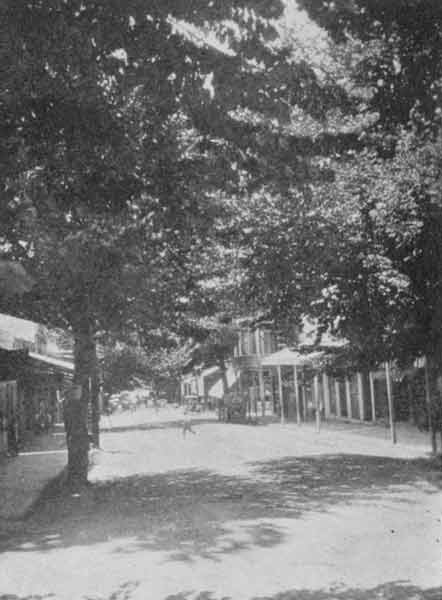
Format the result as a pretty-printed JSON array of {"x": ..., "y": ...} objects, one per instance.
[
  {"x": 187, "y": 422},
  {"x": 42, "y": 417}
]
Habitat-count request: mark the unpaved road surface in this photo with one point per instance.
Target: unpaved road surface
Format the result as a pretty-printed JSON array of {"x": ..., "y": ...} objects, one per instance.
[{"x": 234, "y": 512}]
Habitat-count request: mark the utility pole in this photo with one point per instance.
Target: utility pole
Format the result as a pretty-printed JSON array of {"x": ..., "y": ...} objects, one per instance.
[
  {"x": 317, "y": 403},
  {"x": 390, "y": 403},
  {"x": 295, "y": 383},
  {"x": 428, "y": 403},
  {"x": 281, "y": 399}
]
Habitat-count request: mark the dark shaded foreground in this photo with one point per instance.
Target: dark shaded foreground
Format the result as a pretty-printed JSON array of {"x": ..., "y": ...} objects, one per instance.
[
  {"x": 185, "y": 512},
  {"x": 390, "y": 591}
]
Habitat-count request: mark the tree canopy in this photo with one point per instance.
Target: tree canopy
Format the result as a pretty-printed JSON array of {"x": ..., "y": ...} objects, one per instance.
[
  {"x": 124, "y": 126},
  {"x": 360, "y": 251},
  {"x": 122, "y": 121},
  {"x": 148, "y": 147}
]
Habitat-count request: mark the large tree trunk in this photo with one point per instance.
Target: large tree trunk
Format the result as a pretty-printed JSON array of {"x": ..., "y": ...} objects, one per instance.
[
  {"x": 94, "y": 396},
  {"x": 85, "y": 389},
  {"x": 365, "y": 374},
  {"x": 75, "y": 416}
]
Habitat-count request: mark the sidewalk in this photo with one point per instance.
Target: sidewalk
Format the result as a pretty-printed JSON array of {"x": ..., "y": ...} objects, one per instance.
[
  {"x": 406, "y": 434},
  {"x": 23, "y": 477}
]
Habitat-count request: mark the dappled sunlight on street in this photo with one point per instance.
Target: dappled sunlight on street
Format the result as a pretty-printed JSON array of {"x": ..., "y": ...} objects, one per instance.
[
  {"x": 221, "y": 300},
  {"x": 241, "y": 512}
]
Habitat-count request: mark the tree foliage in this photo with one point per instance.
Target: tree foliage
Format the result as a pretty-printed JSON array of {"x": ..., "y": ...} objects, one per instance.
[
  {"x": 121, "y": 123},
  {"x": 360, "y": 252},
  {"x": 146, "y": 147},
  {"x": 397, "y": 47}
]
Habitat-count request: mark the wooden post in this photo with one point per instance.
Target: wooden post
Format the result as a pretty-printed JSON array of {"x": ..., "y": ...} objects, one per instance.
[
  {"x": 316, "y": 403},
  {"x": 239, "y": 388},
  {"x": 326, "y": 395},
  {"x": 259, "y": 395},
  {"x": 372, "y": 397},
  {"x": 261, "y": 390},
  {"x": 281, "y": 399},
  {"x": 58, "y": 396},
  {"x": 240, "y": 342},
  {"x": 304, "y": 398},
  {"x": 338, "y": 397},
  {"x": 428, "y": 403},
  {"x": 361, "y": 397},
  {"x": 390, "y": 403},
  {"x": 295, "y": 382},
  {"x": 197, "y": 383},
  {"x": 258, "y": 342},
  {"x": 3, "y": 418},
  {"x": 21, "y": 403},
  {"x": 348, "y": 398}
]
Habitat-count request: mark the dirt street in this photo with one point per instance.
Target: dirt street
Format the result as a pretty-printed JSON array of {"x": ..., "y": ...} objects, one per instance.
[{"x": 238, "y": 512}]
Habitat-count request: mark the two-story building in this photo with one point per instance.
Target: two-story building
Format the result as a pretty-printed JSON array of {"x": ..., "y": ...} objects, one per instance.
[
  {"x": 254, "y": 382},
  {"x": 245, "y": 379}
]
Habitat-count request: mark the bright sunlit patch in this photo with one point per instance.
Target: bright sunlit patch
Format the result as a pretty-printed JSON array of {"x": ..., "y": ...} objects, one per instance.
[
  {"x": 120, "y": 54},
  {"x": 28, "y": 546}
]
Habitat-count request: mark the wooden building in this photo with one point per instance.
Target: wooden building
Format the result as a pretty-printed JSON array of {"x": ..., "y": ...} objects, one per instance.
[{"x": 31, "y": 389}]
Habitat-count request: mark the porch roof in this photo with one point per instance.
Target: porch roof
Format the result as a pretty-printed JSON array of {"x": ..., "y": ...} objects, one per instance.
[
  {"x": 287, "y": 357},
  {"x": 56, "y": 363},
  {"x": 209, "y": 371}
]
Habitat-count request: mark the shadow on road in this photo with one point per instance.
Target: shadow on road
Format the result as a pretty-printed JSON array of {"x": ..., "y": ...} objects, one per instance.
[
  {"x": 190, "y": 514},
  {"x": 123, "y": 592},
  {"x": 152, "y": 426},
  {"x": 32, "y": 597},
  {"x": 338, "y": 477},
  {"x": 389, "y": 591}
]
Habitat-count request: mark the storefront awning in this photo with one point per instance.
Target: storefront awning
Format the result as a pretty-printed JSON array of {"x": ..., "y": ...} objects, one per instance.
[{"x": 55, "y": 363}]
